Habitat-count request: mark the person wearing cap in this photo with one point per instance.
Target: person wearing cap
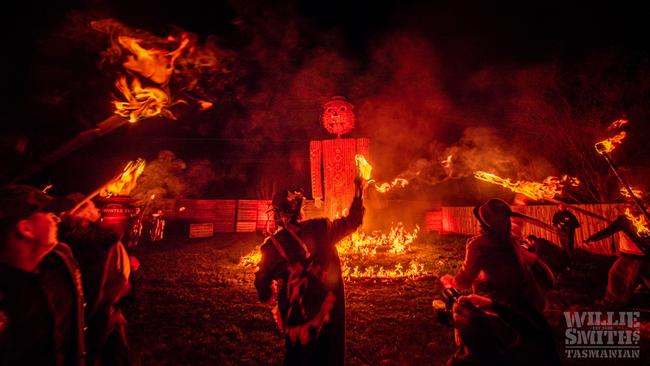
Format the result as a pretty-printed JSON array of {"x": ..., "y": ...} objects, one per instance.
[
  {"x": 105, "y": 269},
  {"x": 302, "y": 257},
  {"x": 566, "y": 223},
  {"x": 501, "y": 273},
  {"x": 41, "y": 296},
  {"x": 632, "y": 267}
]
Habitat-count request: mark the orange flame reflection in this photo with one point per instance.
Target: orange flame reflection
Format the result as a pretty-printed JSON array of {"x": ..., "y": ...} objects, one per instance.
[
  {"x": 124, "y": 184},
  {"x": 608, "y": 145},
  {"x": 548, "y": 189}
]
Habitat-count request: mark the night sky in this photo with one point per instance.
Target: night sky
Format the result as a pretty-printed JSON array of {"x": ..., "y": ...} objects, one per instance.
[{"x": 438, "y": 68}]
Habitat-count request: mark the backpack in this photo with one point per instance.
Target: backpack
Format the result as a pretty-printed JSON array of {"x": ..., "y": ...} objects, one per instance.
[{"x": 304, "y": 301}]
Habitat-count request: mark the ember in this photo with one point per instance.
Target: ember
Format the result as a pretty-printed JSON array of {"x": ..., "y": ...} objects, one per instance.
[{"x": 550, "y": 188}]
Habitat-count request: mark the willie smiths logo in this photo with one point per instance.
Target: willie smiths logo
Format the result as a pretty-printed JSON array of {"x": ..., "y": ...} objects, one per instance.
[{"x": 595, "y": 334}]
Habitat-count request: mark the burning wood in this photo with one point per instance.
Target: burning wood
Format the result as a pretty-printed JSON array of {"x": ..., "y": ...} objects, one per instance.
[
  {"x": 126, "y": 181},
  {"x": 365, "y": 170},
  {"x": 608, "y": 145},
  {"x": 550, "y": 188}
]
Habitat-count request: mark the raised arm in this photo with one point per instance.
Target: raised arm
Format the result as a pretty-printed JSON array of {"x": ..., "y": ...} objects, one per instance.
[{"x": 340, "y": 228}]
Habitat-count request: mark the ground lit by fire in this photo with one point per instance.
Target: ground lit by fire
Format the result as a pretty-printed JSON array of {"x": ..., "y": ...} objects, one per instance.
[{"x": 389, "y": 321}]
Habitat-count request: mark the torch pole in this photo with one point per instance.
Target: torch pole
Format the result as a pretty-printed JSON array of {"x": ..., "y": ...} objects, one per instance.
[
  {"x": 578, "y": 209},
  {"x": 83, "y": 138},
  {"x": 624, "y": 183},
  {"x": 93, "y": 194}
]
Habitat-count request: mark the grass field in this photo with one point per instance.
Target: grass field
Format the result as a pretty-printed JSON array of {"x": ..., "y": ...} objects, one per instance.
[{"x": 195, "y": 305}]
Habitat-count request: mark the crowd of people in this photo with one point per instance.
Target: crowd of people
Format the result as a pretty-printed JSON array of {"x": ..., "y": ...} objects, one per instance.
[
  {"x": 64, "y": 279},
  {"x": 501, "y": 321}
]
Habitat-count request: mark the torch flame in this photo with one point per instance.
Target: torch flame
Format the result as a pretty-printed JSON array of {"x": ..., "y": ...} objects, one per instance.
[
  {"x": 365, "y": 170},
  {"x": 548, "y": 189},
  {"x": 363, "y": 165},
  {"x": 639, "y": 222},
  {"x": 608, "y": 145},
  {"x": 385, "y": 187},
  {"x": 141, "y": 102},
  {"x": 637, "y": 192},
  {"x": 124, "y": 184},
  {"x": 154, "y": 64},
  {"x": 618, "y": 124}
]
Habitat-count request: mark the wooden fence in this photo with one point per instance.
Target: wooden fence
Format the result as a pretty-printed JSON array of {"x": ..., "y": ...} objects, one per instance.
[{"x": 461, "y": 220}]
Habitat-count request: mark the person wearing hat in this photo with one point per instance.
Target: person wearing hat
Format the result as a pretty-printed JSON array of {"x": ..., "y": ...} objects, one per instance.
[
  {"x": 302, "y": 257},
  {"x": 41, "y": 296},
  {"x": 499, "y": 270},
  {"x": 566, "y": 223},
  {"x": 496, "y": 266},
  {"x": 105, "y": 269}
]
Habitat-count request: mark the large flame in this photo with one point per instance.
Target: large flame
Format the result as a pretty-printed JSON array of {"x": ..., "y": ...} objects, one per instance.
[
  {"x": 357, "y": 250},
  {"x": 154, "y": 64},
  {"x": 639, "y": 222},
  {"x": 141, "y": 102},
  {"x": 550, "y": 188},
  {"x": 124, "y": 184},
  {"x": 365, "y": 169},
  {"x": 608, "y": 145}
]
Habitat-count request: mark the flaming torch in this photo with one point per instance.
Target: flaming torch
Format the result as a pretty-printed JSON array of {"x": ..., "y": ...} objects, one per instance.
[
  {"x": 604, "y": 148},
  {"x": 547, "y": 190},
  {"x": 364, "y": 168},
  {"x": 122, "y": 184}
]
